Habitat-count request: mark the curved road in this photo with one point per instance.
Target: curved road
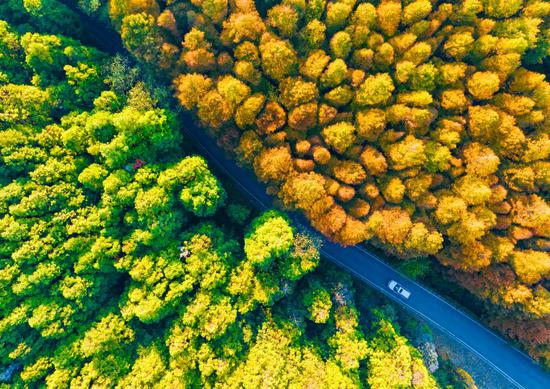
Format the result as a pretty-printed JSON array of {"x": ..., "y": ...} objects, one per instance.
[{"x": 516, "y": 366}]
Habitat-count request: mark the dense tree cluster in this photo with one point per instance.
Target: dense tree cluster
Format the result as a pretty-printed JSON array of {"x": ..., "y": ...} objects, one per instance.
[
  {"x": 117, "y": 268},
  {"x": 43, "y": 16},
  {"x": 413, "y": 125}
]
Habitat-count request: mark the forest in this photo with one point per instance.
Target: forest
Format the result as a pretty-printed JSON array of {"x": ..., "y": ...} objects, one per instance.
[
  {"x": 418, "y": 127},
  {"x": 126, "y": 262}
]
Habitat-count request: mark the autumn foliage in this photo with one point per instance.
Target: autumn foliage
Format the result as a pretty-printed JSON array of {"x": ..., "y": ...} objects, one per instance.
[{"x": 412, "y": 125}]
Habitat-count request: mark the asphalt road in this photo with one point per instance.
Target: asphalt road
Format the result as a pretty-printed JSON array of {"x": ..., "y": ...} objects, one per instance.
[{"x": 516, "y": 366}]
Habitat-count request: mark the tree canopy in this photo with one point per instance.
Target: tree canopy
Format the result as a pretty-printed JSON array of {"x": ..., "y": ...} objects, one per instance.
[
  {"x": 419, "y": 127},
  {"x": 125, "y": 262}
]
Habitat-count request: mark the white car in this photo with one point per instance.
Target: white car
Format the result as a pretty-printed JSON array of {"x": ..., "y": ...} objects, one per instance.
[{"x": 395, "y": 287}]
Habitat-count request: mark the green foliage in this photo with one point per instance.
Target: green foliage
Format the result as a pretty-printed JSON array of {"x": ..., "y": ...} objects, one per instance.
[
  {"x": 90, "y": 6},
  {"x": 318, "y": 302},
  {"x": 81, "y": 217},
  {"x": 43, "y": 16},
  {"x": 237, "y": 213},
  {"x": 270, "y": 236},
  {"x": 392, "y": 359},
  {"x": 140, "y": 34}
]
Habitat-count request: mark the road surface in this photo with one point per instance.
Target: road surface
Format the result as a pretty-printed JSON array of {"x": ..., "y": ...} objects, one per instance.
[{"x": 516, "y": 366}]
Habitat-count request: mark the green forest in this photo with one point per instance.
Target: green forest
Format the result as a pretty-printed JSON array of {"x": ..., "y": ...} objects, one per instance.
[{"x": 418, "y": 128}]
